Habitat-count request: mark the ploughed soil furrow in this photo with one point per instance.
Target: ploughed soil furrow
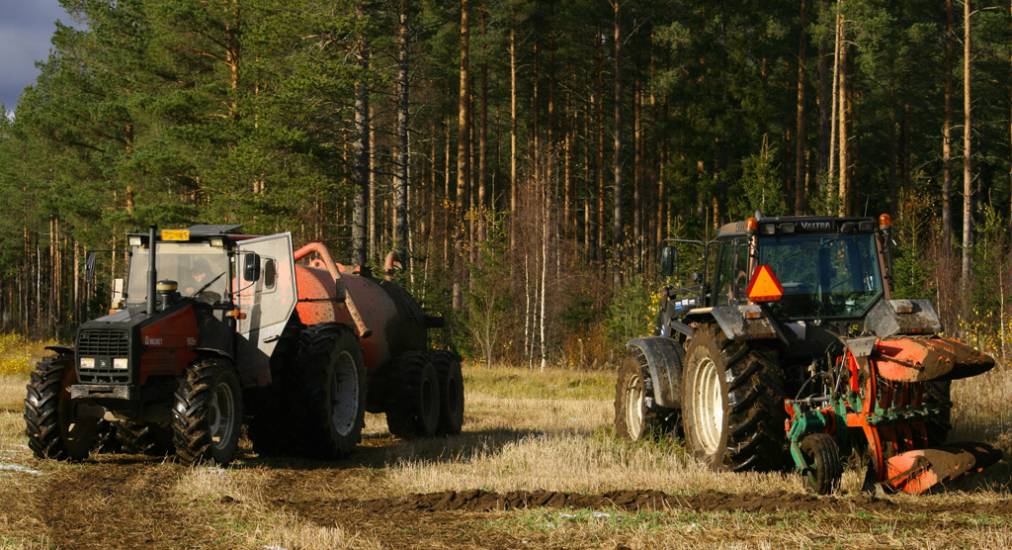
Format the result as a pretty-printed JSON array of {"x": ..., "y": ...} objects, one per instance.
[
  {"x": 90, "y": 505},
  {"x": 487, "y": 501}
]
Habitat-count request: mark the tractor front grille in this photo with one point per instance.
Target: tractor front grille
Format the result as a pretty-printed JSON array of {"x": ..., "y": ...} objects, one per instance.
[{"x": 103, "y": 345}]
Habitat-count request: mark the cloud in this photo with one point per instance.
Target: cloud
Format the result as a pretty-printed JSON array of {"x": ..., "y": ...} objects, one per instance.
[{"x": 25, "y": 30}]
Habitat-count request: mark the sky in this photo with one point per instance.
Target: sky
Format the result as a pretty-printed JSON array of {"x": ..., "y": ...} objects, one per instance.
[{"x": 25, "y": 29}]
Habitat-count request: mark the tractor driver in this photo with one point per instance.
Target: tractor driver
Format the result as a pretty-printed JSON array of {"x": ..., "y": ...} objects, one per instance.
[{"x": 200, "y": 275}]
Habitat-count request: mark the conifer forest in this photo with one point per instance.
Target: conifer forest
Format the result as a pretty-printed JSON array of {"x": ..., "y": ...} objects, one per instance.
[{"x": 527, "y": 159}]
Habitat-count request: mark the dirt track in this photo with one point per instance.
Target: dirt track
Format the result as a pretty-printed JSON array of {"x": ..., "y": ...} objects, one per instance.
[
  {"x": 87, "y": 506},
  {"x": 486, "y": 501}
]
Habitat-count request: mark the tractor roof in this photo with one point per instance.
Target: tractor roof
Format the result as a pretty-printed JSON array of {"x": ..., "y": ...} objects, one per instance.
[
  {"x": 197, "y": 233},
  {"x": 208, "y": 230},
  {"x": 802, "y": 224}
]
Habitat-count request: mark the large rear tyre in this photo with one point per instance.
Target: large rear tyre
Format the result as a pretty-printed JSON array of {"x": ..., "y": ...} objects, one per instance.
[
  {"x": 634, "y": 420},
  {"x": 825, "y": 470},
  {"x": 54, "y": 427},
  {"x": 451, "y": 394},
  {"x": 330, "y": 375},
  {"x": 732, "y": 404},
  {"x": 414, "y": 410},
  {"x": 207, "y": 413}
]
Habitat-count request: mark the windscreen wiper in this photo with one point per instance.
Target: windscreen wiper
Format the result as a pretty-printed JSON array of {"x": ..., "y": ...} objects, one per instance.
[{"x": 205, "y": 287}]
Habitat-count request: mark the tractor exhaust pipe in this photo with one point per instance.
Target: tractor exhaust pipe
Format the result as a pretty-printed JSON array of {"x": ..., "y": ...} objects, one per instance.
[{"x": 152, "y": 271}]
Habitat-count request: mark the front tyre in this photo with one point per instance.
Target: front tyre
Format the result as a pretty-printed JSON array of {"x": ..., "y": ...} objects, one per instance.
[
  {"x": 207, "y": 413},
  {"x": 634, "y": 420},
  {"x": 732, "y": 404},
  {"x": 54, "y": 428}
]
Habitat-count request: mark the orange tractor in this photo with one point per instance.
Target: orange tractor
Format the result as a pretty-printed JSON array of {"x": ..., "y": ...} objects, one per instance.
[
  {"x": 217, "y": 329},
  {"x": 792, "y": 351}
]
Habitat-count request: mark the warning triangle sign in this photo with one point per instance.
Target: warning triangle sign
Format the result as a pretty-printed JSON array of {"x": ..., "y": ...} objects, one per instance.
[{"x": 764, "y": 286}]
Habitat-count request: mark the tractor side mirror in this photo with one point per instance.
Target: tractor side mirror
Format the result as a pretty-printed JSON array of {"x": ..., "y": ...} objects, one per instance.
[
  {"x": 669, "y": 261},
  {"x": 251, "y": 267}
]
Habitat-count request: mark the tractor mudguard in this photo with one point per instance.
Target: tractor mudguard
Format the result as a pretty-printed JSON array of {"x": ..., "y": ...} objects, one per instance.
[
  {"x": 215, "y": 352},
  {"x": 664, "y": 358},
  {"x": 61, "y": 350},
  {"x": 736, "y": 327}
]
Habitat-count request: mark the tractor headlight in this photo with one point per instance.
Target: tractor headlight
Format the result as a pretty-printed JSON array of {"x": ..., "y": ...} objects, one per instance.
[
  {"x": 120, "y": 363},
  {"x": 87, "y": 362}
]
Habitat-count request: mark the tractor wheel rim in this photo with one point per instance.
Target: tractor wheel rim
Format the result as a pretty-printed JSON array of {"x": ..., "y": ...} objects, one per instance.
[
  {"x": 709, "y": 406},
  {"x": 344, "y": 394},
  {"x": 221, "y": 415},
  {"x": 634, "y": 406}
]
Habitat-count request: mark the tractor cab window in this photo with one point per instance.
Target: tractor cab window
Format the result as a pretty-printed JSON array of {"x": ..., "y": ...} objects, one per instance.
[
  {"x": 732, "y": 272},
  {"x": 200, "y": 269},
  {"x": 823, "y": 275}
]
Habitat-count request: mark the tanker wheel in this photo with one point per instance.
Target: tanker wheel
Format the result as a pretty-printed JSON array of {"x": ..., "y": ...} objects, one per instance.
[
  {"x": 332, "y": 384},
  {"x": 824, "y": 470},
  {"x": 451, "y": 394},
  {"x": 143, "y": 438},
  {"x": 634, "y": 421},
  {"x": 414, "y": 410},
  {"x": 54, "y": 428},
  {"x": 207, "y": 413},
  {"x": 732, "y": 404}
]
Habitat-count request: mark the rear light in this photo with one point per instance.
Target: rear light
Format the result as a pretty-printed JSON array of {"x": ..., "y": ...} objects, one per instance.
[
  {"x": 751, "y": 312},
  {"x": 885, "y": 221},
  {"x": 903, "y": 307}
]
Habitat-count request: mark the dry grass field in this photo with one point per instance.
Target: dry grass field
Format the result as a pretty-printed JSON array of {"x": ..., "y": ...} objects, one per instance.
[{"x": 538, "y": 443}]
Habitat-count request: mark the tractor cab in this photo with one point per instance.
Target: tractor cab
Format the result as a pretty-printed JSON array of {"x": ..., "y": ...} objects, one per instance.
[
  {"x": 828, "y": 268},
  {"x": 208, "y": 289}
]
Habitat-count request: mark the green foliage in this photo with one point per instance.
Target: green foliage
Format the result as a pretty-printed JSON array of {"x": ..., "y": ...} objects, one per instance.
[
  {"x": 631, "y": 312},
  {"x": 761, "y": 184},
  {"x": 488, "y": 300}
]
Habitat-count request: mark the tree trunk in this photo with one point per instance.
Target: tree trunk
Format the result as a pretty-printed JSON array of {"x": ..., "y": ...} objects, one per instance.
[
  {"x": 361, "y": 153},
  {"x": 844, "y": 180},
  {"x": 463, "y": 147},
  {"x": 513, "y": 138},
  {"x": 448, "y": 209},
  {"x": 825, "y": 93},
  {"x": 483, "y": 154},
  {"x": 637, "y": 177},
  {"x": 403, "y": 157},
  {"x": 947, "y": 131},
  {"x": 834, "y": 117},
  {"x": 616, "y": 166},
  {"x": 967, "y": 152},
  {"x": 372, "y": 220},
  {"x": 799, "y": 131}
]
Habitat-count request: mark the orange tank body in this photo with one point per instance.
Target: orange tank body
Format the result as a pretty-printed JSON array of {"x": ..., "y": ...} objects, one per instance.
[{"x": 317, "y": 305}]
